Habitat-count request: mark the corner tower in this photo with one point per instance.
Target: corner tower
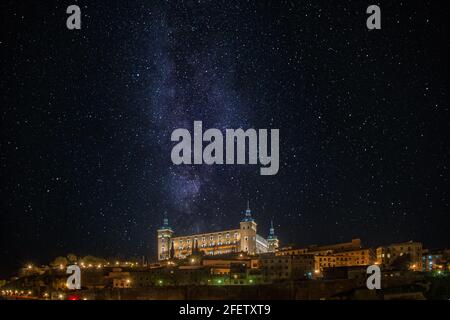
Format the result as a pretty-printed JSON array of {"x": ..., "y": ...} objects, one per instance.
[
  {"x": 272, "y": 239},
  {"x": 248, "y": 232},
  {"x": 164, "y": 239}
]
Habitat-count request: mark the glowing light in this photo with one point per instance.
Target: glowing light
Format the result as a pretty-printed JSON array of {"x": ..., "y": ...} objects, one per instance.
[
  {"x": 317, "y": 271},
  {"x": 30, "y": 266}
]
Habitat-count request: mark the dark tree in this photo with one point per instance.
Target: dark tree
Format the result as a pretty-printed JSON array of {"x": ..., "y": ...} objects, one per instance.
[{"x": 172, "y": 251}]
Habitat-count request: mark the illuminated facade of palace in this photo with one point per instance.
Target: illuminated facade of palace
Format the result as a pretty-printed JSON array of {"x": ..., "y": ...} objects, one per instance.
[{"x": 244, "y": 239}]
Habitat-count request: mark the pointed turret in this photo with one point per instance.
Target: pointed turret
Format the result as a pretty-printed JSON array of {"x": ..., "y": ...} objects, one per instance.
[
  {"x": 271, "y": 231},
  {"x": 272, "y": 239},
  {"x": 165, "y": 225},
  {"x": 248, "y": 213}
]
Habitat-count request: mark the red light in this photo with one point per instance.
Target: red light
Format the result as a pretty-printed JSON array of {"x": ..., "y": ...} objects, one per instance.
[{"x": 74, "y": 297}]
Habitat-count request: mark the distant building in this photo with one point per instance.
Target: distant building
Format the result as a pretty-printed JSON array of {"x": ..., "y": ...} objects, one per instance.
[
  {"x": 435, "y": 260},
  {"x": 405, "y": 255},
  {"x": 303, "y": 266},
  {"x": 346, "y": 254},
  {"x": 245, "y": 239},
  {"x": 121, "y": 283},
  {"x": 275, "y": 268},
  {"x": 354, "y": 244}
]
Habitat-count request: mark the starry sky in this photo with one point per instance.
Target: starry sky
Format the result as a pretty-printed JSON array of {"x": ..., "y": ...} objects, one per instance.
[{"x": 87, "y": 117}]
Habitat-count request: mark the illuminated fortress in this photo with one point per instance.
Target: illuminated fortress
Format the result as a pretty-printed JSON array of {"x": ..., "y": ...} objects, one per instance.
[{"x": 245, "y": 239}]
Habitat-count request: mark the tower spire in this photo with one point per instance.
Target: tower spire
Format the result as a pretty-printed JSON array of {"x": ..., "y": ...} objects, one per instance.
[
  {"x": 271, "y": 231},
  {"x": 165, "y": 221},
  {"x": 248, "y": 212}
]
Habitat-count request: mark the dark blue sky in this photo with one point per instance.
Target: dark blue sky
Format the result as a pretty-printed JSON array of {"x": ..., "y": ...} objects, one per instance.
[{"x": 87, "y": 117}]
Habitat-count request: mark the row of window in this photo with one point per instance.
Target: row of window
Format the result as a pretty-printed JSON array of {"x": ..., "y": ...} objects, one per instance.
[
  {"x": 211, "y": 238},
  {"x": 211, "y": 244}
]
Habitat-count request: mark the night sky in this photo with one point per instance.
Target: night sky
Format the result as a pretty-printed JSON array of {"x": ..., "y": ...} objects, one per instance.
[{"x": 86, "y": 119}]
